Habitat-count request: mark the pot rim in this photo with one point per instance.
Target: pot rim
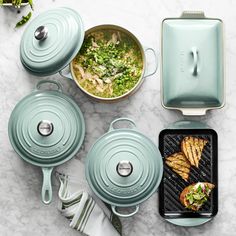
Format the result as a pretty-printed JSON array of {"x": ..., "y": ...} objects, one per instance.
[{"x": 127, "y": 32}]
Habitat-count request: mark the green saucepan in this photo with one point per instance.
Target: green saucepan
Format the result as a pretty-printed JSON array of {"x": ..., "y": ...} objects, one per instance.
[
  {"x": 124, "y": 167},
  {"x": 46, "y": 129}
]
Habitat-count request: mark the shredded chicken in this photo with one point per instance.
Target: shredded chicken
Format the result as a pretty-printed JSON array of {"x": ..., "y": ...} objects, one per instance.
[
  {"x": 99, "y": 81},
  {"x": 114, "y": 39},
  {"x": 94, "y": 44}
]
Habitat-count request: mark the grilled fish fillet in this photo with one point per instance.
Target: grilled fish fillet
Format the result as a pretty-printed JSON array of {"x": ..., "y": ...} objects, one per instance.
[
  {"x": 192, "y": 148},
  {"x": 179, "y": 164},
  {"x": 196, "y": 203}
]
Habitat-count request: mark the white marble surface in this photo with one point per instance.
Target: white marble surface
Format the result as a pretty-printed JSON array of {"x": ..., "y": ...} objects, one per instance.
[{"x": 22, "y": 212}]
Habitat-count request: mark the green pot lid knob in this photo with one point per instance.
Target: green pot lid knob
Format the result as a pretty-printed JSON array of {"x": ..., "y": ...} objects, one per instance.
[{"x": 124, "y": 168}]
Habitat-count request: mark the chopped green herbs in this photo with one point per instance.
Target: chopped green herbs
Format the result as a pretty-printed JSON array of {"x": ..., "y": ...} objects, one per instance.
[
  {"x": 109, "y": 64},
  {"x": 198, "y": 196}
]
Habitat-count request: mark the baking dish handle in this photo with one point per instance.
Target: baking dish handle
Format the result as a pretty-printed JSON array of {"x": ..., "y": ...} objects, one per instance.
[
  {"x": 65, "y": 73},
  {"x": 192, "y": 14},
  {"x": 194, "y": 53},
  {"x": 41, "y": 82},
  {"x": 47, "y": 185},
  {"x": 113, "y": 208},
  {"x": 133, "y": 125},
  {"x": 193, "y": 111},
  {"x": 155, "y": 59}
]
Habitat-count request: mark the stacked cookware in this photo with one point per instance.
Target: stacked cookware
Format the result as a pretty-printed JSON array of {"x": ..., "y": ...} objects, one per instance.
[{"x": 123, "y": 167}]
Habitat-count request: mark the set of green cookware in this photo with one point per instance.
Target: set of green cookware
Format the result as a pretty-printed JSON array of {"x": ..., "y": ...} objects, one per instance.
[
  {"x": 47, "y": 128},
  {"x": 123, "y": 167}
]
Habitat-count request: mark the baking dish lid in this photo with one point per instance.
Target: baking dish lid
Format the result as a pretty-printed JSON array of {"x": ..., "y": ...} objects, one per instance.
[
  {"x": 124, "y": 167},
  {"x": 46, "y": 127},
  {"x": 192, "y": 63},
  {"x": 51, "y": 41}
]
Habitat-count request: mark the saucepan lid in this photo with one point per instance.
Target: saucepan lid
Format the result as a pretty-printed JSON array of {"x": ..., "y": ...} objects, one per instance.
[
  {"x": 51, "y": 41},
  {"x": 124, "y": 167},
  {"x": 46, "y": 128}
]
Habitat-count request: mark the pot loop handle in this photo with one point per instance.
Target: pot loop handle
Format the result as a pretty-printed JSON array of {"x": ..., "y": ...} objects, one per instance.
[
  {"x": 133, "y": 125},
  {"x": 155, "y": 59},
  {"x": 66, "y": 73},
  {"x": 113, "y": 208},
  {"x": 59, "y": 86},
  {"x": 47, "y": 185}
]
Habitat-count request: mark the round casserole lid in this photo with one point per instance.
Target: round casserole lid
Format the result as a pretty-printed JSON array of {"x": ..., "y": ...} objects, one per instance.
[
  {"x": 51, "y": 41},
  {"x": 46, "y": 128},
  {"x": 124, "y": 167}
]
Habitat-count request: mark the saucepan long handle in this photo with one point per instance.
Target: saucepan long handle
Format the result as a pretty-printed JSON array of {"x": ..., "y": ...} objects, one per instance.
[{"x": 47, "y": 185}]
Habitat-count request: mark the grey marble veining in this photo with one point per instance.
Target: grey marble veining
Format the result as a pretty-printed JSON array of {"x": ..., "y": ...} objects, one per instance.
[{"x": 22, "y": 212}]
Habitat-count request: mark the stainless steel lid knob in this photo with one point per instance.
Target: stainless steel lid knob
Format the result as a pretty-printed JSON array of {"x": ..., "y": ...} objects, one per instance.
[
  {"x": 124, "y": 168},
  {"x": 45, "y": 127},
  {"x": 41, "y": 33}
]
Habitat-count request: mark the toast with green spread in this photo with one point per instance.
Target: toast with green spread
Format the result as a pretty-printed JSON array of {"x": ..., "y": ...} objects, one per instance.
[{"x": 195, "y": 195}]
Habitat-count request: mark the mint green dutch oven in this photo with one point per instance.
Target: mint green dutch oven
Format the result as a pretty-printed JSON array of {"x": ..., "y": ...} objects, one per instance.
[
  {"x": 46, "y": 129},
  {"x": 54, "y": 38},
  {"x": 124, "y": 168}
]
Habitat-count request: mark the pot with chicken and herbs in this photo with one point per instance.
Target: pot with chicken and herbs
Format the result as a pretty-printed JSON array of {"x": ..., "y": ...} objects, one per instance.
[{"x": 110, "y": 64}]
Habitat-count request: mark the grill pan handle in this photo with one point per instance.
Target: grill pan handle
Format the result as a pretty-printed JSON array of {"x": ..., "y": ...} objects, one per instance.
[
  {"x": 133, "y": 125},
  {"x": 47, "y": 185},
  {"x": 188, "y": 124},
  {"x": 113, "y": 208}
]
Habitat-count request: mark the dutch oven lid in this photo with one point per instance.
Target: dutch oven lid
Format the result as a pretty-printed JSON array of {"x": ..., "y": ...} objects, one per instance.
[
  {"x": 51, "y": 41},
  {"x": 124, "y": 167},
  {"x": 46, "y": 128}
]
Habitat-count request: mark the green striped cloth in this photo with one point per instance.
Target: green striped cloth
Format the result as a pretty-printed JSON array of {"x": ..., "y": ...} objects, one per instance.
[{"x": 86, "y": 215}]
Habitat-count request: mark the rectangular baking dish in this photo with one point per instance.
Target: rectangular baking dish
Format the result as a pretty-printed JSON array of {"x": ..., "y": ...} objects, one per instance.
[
  {"x": 192, "y": 70},
  {"x": 172, "y": 184}
]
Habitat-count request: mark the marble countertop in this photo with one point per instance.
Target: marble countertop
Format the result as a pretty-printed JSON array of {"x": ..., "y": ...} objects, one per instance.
[{"x": 22, "y": 212}]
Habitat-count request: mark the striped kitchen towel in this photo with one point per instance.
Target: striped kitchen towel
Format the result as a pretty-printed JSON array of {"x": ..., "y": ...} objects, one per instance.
[{"x": 87, "y": 215}]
